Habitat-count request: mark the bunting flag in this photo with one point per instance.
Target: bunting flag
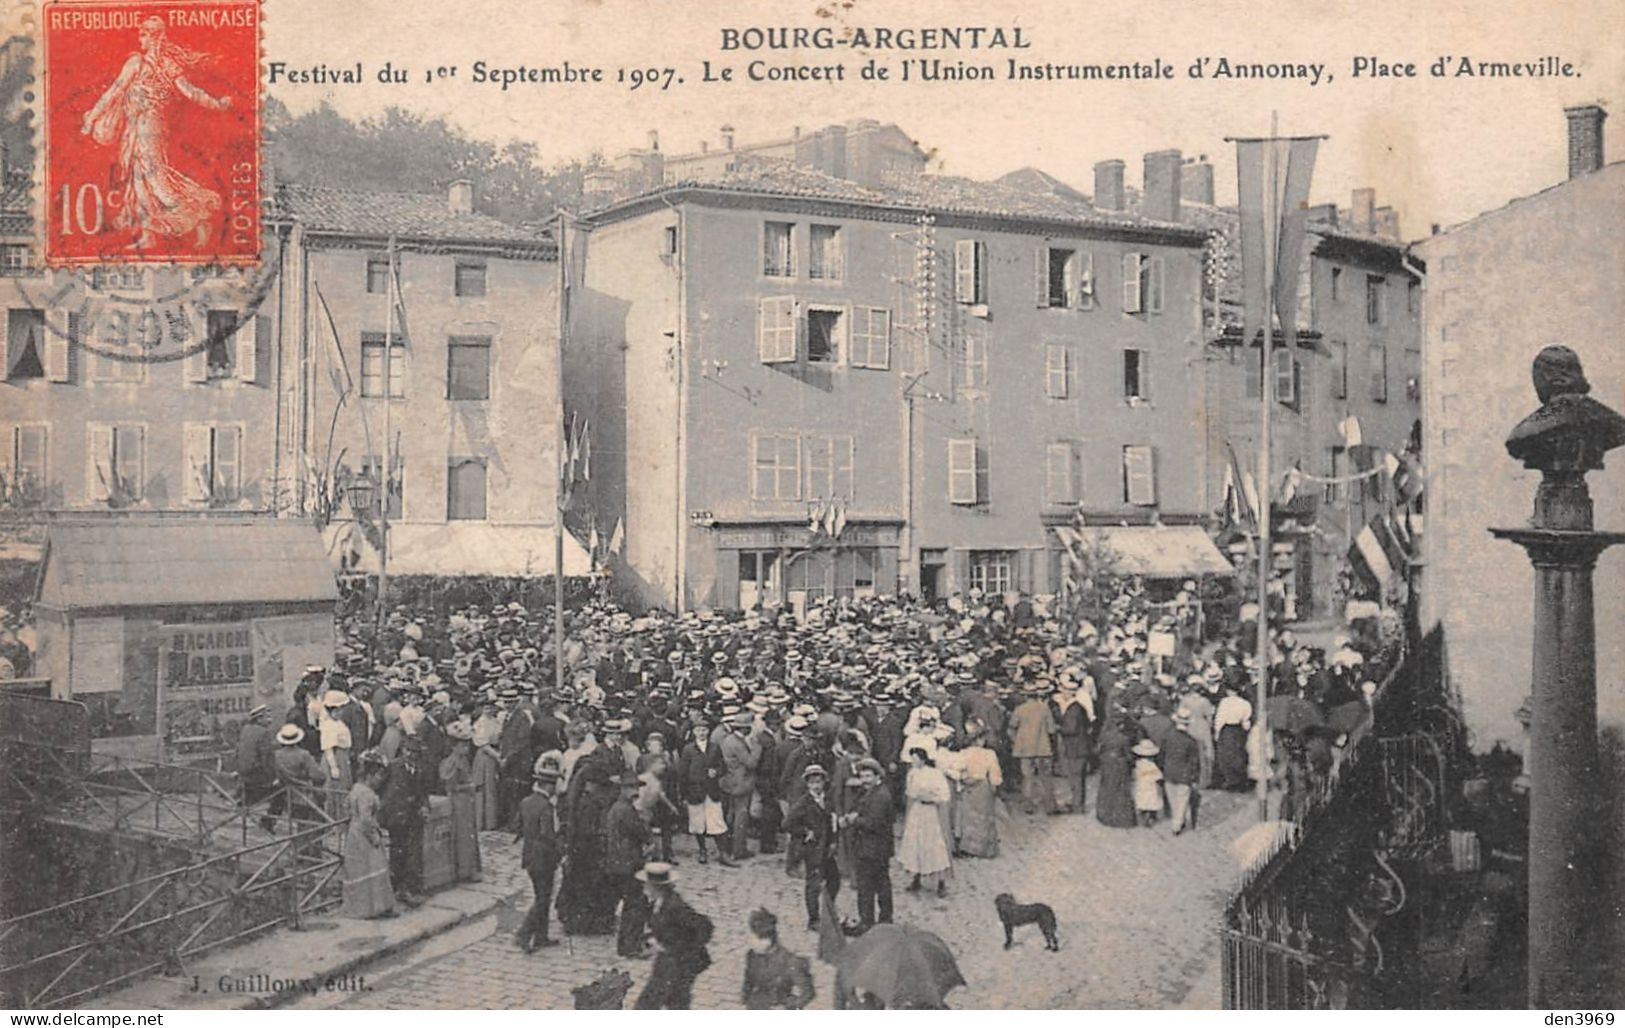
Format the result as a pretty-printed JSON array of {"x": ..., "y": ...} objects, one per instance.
[
  {"x": 573, "y": 451},
  {"x": 1408, "y": 480},
  {"x": 617, "y": 538},
  {"x": 1370, "y": 560},
  {"x": 1241, "y": 498},
  {"x": 1349, "y": 429},
  {"x": 400, "y": 295}
]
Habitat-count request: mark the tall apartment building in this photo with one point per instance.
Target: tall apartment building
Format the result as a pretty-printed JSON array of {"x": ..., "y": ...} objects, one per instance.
[
  {"x": 284, "y": 411},
  {"x": 940, "y": 374},
  {"x": 1544, "y": 269},
  {"x": 455, "y": 362}
]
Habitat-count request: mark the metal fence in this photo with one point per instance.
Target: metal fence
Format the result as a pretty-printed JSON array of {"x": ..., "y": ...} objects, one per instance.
[
  {"x": 71, "y": 950},
  {"x": 1308, "y": 926}
]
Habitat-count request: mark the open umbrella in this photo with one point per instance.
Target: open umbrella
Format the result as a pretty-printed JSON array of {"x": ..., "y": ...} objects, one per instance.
[{"x": 899, "y": 966}]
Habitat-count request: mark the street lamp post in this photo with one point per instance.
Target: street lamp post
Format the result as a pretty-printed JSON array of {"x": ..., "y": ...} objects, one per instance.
[{"x": 1563, "y": 440}]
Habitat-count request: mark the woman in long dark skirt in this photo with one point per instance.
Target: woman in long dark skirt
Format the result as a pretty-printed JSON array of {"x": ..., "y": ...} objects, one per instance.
[
  {"x": 1114, "y": 800},
  {"x": 1234, "y": 717}
]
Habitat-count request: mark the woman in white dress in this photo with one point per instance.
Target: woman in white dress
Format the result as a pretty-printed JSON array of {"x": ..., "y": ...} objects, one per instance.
[
  {"x": 924, "y": 850},
  {"x": 336, "y": 744}
]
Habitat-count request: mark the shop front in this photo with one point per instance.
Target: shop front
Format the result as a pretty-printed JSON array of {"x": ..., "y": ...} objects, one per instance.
[{"x": 774, "y": 565}]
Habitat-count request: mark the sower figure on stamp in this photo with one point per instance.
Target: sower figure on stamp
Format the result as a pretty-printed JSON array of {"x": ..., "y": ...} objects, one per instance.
[{"x": 134, "y": 115}]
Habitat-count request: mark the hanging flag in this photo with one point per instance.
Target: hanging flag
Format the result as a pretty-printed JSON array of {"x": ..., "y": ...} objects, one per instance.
[
  {"x": 592, "y": 542},
  {"x": 1408, "y": 480},
  {"x": 815, "y": 518},
  {"x": 1272, "y": 227},
  {"x": 400, "y": 294},
  {"x": 1289, "y": 485},
  {"x": 830, "y": 518},
  {"x": 1390, "y": 464},
  {"x": 1293, "y": 211},
  {"x": 1370, "y": 560},
  {"x": 617, "y": 538},
  {"x": 1349, "y": 429},
  {"x": 1241, "y": 493},
  {"x": 586, "y": 450},
  {"x": 840, "y": 521}
]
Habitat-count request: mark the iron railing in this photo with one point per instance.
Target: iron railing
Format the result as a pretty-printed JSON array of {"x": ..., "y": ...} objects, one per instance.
[
  {"x": 71, "y": 950},
  {"x": 1302, "y": 929}
]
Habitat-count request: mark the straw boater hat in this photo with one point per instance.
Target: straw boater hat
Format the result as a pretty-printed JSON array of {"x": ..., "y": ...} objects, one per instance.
[
  {"x": 656, "y": 872},
  {"x": 1144, "y": 748},
  {"x": 259, "y": 711},
  {"x": 814, "y": 771},
  {"x": 290, "y": 735}
]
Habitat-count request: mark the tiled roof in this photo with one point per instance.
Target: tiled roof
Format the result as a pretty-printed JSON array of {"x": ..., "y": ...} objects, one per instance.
[
  {"x": 142, "y": 563},
  {"x": 936, "y": 194},
  {"x": 408, "y": 216}
]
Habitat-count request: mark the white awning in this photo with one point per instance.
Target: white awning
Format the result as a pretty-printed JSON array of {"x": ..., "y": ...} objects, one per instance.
[
  {"x": 1161, "y": 551},
  {"x": 463, "y": 548}
]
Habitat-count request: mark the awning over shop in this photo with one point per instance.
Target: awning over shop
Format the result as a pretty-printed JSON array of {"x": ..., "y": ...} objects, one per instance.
[
  {"x": 463, "y": 548},
  {"x": 191, "y": 561},
  {"x": 1156, "y": 551}
]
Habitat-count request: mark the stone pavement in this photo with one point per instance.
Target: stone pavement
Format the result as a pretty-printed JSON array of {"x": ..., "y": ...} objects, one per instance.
[
  {"x": 1137, "y": 912},
  {"x": 272, "y": 969}
]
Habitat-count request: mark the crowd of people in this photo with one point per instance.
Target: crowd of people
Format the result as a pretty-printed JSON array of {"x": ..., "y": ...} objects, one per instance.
[{"x": 862, "y": 735}]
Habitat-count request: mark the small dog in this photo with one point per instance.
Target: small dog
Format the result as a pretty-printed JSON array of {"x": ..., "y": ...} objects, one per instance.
[{"x": 1013, "y": 915}]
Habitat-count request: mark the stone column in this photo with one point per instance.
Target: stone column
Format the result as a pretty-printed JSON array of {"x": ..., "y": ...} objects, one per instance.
[{"x": 1563, "y": 440}]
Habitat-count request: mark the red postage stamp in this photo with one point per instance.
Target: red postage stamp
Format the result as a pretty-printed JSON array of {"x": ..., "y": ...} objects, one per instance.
[{"x": 151, "y": 143}]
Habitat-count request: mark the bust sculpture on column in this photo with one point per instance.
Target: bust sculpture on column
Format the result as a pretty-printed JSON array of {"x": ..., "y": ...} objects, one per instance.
[{"x": 1563, "y": 440}]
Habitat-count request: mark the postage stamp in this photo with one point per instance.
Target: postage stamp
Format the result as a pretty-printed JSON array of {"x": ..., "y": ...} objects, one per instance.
[{"x": 151, "y": 141}]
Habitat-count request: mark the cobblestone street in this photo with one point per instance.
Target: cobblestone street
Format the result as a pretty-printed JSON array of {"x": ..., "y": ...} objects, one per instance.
[{"x": 1136, "y": 909}]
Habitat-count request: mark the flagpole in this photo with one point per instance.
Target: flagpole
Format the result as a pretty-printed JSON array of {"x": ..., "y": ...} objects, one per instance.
[
  {"x": 563, "y": 484},
  {"x": 1266, "y": 393},
  {"x": 387, "y": 472}
]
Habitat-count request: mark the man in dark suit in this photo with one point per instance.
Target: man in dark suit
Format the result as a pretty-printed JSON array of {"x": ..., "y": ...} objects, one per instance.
[
  {"x": 1181, "y": 772},
  {"x": 627, "y": 838},
  {"x": 811, "y": 826},
  {"x": 538, "y": 827},
  {"x": 681, "y": 934},
  {"x": 869, "y": 819},
  {"x": 515, "y": 755},
  {"x": 436, "y": 744}
]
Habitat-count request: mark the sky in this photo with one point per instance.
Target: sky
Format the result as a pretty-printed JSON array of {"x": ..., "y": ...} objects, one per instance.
[{"x": 1441, "y": 150}]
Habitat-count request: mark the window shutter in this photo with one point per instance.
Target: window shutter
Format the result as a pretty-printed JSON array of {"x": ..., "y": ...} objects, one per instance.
[
  {"x": 966, "y": 273},
  {"x": 880, "y": 338},
  {"x": 228, "y": 461},
  {"x": 196, "y": 364},
  {"x": 1340, "y": 374},
  {"x": 57, "y": 353},
  {"x": 1055, "y": 371},
  {"x": 198, "y": 470},
  {"x": 1153, "y": 270},
  {"x": 962, "y": 471},
  {"x": 1139, "y": 476},
  {"x": 1145, "y": 375},
  {"x": 776, "y": 329},
  {"x": 1255, "y": 384},
  {"x": 1086, "y": 281},
  {"x": 1131, "y": 283},
  {"x": 1059, "y": 484},
  {"x": 251, "y": 341},
  {"x": 99, "y": 461},
  {"x": 1041, "y": 273}
]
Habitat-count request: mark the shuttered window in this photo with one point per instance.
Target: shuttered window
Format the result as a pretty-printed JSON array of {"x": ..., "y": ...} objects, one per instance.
[
  {"x": 1139, "y": 476},
  {"x": 775, "y": 466},
  {"x": 468, "y": 368},
  {"x": 1136, "y": 375},
  {"x": 25, "y": 464},
  {"x": 213, "y": 463},
  {"x": 1086, "y": 282},
  {"x": 1151, "y": 285},
  {"x": 1286, "y": 377},
  {"x": 829, "y": 466},
  {"x": 1057, "y": 369},
  {"x": 1133, "y": 301},
  {"x": 871, "y": 338},
  {"x": 25, "y": 344},
  {"x": 973, "y": 361},
  {"x": 116, "y": 462},
  {"x": 970, "y": 271},
  {"x": 1061, "y": 473},
  {"x": 776, "y": 329},
  {"x": 778, "y": 249},
  {"x": 465, "y": 490},
  {"x": 1053, "y": 273},
  {"x": 824, "y": 253},
  {"x": 1379, "y": 373},
  {"x": 963, "y": 478}
]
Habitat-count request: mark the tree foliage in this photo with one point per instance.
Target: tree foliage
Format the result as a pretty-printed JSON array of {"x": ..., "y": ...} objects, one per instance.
[{"x": 399, "y": 151}]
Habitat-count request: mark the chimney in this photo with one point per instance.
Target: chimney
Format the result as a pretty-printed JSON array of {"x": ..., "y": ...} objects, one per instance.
[
  {"x": 705, "y": 146},
  {"x": 1362, "y": 210},
  {"x": 654, "y": 139},
  {"x": 1323, "y": 213},
  {"x": 460, "y": 198},
  {"x": 727, "y": 137},
  {"x": 1109, "y": 185},
  {"x": 1161, "y": 185},
  {"x": 795, "y": 131},
  {"x": 1196, "y": 179},
  {"x": 1585, "y": 138},
  {"x": 1385, "y": 223}
]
